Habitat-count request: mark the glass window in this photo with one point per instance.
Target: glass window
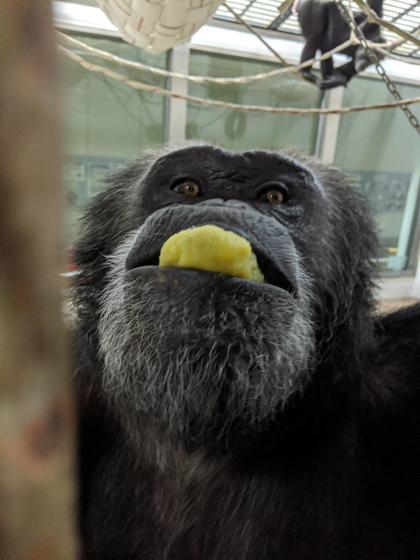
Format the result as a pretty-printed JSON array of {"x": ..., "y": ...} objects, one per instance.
[
  {"x": 382, "y": 149},
  {"x": 240, "y": 131},
  {"x": 107, "y": 123}
]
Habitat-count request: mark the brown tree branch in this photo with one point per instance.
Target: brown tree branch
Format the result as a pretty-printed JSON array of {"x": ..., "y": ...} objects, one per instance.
[{"x": 36, "y": 409}]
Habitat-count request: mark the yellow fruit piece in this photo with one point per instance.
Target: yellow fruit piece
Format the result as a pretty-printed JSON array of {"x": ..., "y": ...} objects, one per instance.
[{"x": 211, "y": 248}]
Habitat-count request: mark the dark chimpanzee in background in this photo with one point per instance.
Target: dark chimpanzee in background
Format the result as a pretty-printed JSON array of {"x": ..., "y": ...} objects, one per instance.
[
  {"x": 225, "y": 419},
  {"x": 324, "y": 28}
]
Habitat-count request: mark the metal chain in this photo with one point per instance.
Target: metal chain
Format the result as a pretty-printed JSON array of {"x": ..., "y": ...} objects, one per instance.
[{"x": 373, "y": 58}]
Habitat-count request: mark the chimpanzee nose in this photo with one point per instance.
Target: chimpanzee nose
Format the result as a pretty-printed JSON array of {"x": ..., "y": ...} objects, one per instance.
[
  {"x": 234, "y": 203},
  {"x": 213, "y": 202},
  {"x": 231, "y": 203}
]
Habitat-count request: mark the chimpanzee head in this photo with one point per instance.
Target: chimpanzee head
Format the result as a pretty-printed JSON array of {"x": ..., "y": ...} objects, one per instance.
[{"x": 203, "y": 354}]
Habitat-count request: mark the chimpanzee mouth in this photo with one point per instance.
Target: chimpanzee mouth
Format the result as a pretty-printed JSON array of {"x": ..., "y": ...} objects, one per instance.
[{"x": 272, "y": 273}]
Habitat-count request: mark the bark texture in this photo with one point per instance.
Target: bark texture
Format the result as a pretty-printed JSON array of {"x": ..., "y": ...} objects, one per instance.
[{"x": 36, "y": 407}]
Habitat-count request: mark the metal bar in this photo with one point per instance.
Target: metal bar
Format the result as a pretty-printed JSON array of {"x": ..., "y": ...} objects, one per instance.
[
  {"x": 280, "y": 19},
  {"x": 176, "y": 115},
  {"x": 403, "y": 13},
  {"x": 416, "y": 284},
  {"x": 398, "y": 262},
  {"x": 87, "y": 19},
  {"x": 252, "y": 30},
  {"x": 328, "y": 126}
]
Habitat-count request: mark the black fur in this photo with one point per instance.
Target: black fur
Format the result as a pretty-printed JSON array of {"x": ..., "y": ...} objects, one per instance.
[
  {"x": 324, "y": 28},
  {"x": 194, "y": 445}
]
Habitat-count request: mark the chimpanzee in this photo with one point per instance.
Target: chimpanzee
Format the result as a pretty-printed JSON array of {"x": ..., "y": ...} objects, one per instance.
[
  {"x": 223, "y": 418},
  {"x": 324, "y": 28}
]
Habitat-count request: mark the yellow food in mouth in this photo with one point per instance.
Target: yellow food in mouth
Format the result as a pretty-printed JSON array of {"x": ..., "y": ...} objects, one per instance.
[{"x": 213, "y": 249}]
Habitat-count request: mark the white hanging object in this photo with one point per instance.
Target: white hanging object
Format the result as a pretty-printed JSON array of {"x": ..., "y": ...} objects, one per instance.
[{"x": 158, "y": 25}]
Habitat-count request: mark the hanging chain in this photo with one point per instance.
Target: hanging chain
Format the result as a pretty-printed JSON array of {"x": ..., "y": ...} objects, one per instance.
[{"x": 373, "y": 58}]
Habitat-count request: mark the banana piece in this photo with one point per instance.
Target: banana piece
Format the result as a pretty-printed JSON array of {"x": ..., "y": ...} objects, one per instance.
[{"x": 213, "y": 249}]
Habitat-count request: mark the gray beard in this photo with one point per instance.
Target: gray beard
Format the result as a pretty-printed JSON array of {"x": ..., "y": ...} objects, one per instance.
[{"x": 233, "y": 361}]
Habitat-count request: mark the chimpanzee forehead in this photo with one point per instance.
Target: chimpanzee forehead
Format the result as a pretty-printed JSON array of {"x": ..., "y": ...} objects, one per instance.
[{"x": 214, "y": 159}]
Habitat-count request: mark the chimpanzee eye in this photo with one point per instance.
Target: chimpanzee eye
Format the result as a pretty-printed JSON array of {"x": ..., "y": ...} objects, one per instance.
[
  {"x": 274, "y": 196},
  {"x": 188, "y": 188}
]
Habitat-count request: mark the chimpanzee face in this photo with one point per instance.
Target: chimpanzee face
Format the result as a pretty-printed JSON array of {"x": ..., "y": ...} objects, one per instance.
[{"x": 202, "y": 353}]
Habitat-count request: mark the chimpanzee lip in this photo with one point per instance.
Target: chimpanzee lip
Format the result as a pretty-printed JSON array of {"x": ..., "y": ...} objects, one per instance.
[{"x": 272, "y": 274}]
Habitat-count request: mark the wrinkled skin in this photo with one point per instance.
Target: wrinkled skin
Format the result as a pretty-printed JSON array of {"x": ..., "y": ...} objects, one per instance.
[
  {"x": 324, "y": 28},
  {"x": 223, "y": 419}
]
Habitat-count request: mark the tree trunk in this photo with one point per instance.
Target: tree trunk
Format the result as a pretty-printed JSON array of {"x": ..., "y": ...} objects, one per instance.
[{"x": 36, "y": 409}]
